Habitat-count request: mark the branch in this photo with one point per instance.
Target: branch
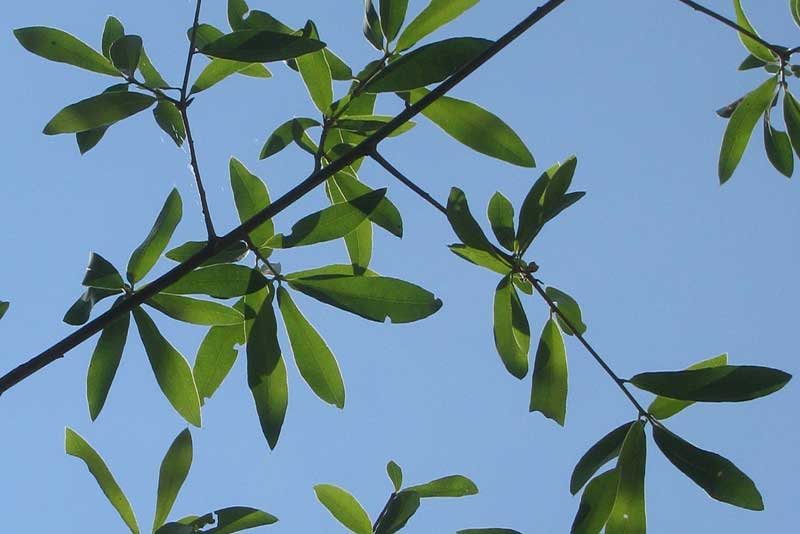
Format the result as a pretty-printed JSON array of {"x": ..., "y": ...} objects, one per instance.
[
  {"x": 408, "y": 183},
  {"x": 239, "y": 233}
]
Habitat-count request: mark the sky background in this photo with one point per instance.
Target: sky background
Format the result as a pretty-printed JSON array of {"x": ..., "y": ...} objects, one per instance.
[{"x": 669, "y": 267}]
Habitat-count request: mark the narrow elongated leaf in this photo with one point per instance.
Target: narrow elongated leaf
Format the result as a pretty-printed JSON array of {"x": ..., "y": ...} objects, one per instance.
[
  {"x": 251, "y": 196},
  {"x": 434, "y": 16},
  {"x": 4, "y": 307},
  {"x": 359, "y": 241},
  {"x": 146, "y": 255},
  {"x": 316, "y": 73},
  {"x": 558, "y": 185},
  {"x": 597, "y": 456},
  {"x": 314, "y": 359},
  {"x": 395, "y": 475},
  {"x": 330, "y": 223},
  {"x": 104, "y": 363},
  {"x": 718, "y": 476},
  {"x": 239, "y": 518},
  {"x": 232, "y": 254},
  {"x": 740, "y": 127},
  {"x": 172, "y": 474},
  {"x": 501, "y": 217},
  {"x": 476, "y": 128},
  {"x": 169, "y": 119},
  {"x": 596, "y": 503},
  {"x": 751, "y": 62},
  {"x": 664, "y": 407},
  {"x": 368, "y": 124},
  {"x": 402, "y": 506},
  {"x": 482, "y": 258},
  {"x": 125, "y": 53},
  {"x": 549, "y": 388},
  {"x": 791, "y": 116},
  {"x": 385, "y": 215},
  {"x": 344, "y": 507},
  {"x": 568, "y": 307},
  {"x": 512, "y": 335},
  {"x": 90, "y": 138},
  {"x": 60, "y": 46},
  {"x": 101, "y": 110},
  {"x": 778, "y": 148},
  {"x": 372, "y": 297},
  {"x": 427, "y": 65},
  {"x": 220, "y": 281},
  {"x": 464, "y": 224},
  {"x": 76, "y": 446},
  {"x": 285, "y": 134},
  {"x": 219, "y": 69},
  {"x": 757, "y": 49},
  {"x": 260, "y": 46},
  {"x": 628, "y": 514},
  {"x": 794, "y": 5},
  {"x": 100, "y": 273},
  {"x": 215, "y": 358},
  {"x": 531, "y": 215},
  {"x": 195, "y": 311},
  {"x": 372, "y": 25},
  {"x": 329, "y": 270},
  {"x": 449, "y": 486},
  {"x": 172, "y": 371},
  {"x": 488, "y": 531},
  {"x": 152, "y": 78},
  {"x": 393, "y": 14},
  {"x": 112, "y": 31},
  {"x": 726, "y": 383},
  {"x": 79, "y": 312}
]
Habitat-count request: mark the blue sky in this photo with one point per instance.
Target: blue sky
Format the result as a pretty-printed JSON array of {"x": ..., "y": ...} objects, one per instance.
[{"x": 669, "y": 267}]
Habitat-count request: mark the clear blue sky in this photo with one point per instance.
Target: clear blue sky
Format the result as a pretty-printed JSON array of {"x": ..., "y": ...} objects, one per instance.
[{"x": 669, "y": 268}]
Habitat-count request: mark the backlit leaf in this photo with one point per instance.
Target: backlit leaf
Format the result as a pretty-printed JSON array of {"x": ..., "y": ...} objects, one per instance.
[
  {"x": 101, "y": 110},
  {"x": 222, "y": 281},
  {"x": 568, "y": 307},
  {"x": 597, "y": 456},
  {"x": 392, "y": 14},
  {"x": 79, "y": 312},
  {"x": 260, "y": 46},
  {"x": 399, "y": 510},
  {"x": 104, "y": 363},
  {"x": 372, "y": 25},
  {"x": 251, "y": 196},
  {"x": 344, "y": 507},
  {"x": 395, "y": 474},
  {"x": 100, "y": 273},
  {"x": 215, "y": 358},
  {"x": 664, "y": 407},
  {"x": 146, "y": 255},
  {"x": 169, "y": 119},
  {"x": 757, "y": 49},
  {"x": 791, "y": 116},
  {"x": 482, "y": 258},
  {"x": 285, "y": 134},
  {"x": 60, "y": 46},
  {"x": 449, "y": 486},
  {"x": 195, "y": 311},
  {"x": 778, "y": 148},
  {"x": 239, "y": 518},
  {"x": 112, "y": 31},
  {"x": 596, "y": 503},
  {"x": 232, "y": 254},
  {"x": 219, "y": 69},
  {"x": 628, "y": 514},
  {"x": 549, "y": 388},
  {"x": 434, "y": 16},
  {"x": 501, "y": 217},
  {"x": 172, "y": 474},
  {"x": 512, "y": 335},
  {"x": 125, "y": 54},
  {"x": 385, "y": 215},
  {"x": 316, "y": 73},
  {"x": 464, "y": 224}
]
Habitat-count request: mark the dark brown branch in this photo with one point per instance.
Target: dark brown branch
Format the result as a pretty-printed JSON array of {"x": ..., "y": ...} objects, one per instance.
[
  {"x": 375, "y": 155},
  {"x": 239, "y": 233}
]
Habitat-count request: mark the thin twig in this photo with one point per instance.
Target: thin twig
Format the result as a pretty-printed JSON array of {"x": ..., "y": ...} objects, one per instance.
[
  {"x": 239, "y": 233},
  {"x": 375, "y": 155}
]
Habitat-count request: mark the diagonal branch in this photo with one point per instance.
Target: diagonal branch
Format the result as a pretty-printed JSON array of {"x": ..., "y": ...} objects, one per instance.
[
  {"x": 375, "y": 155},
  {"x": 239, "y": 233}
]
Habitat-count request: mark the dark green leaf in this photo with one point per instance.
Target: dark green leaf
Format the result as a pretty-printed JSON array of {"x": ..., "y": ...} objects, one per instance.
[
  {"x": 726, "y": 383},
  {"x": 399, "y": 510},
  {"x": 726, "y": 111},
  {"x": 260, "y": 46},
  {"x": 721, "y": 479},
  {"x": 531, "y": 215},
  {"x": 558, "y": 185},
  {"x": 794, "y": 5},
  {"x": 757, "y": 49},
  {"x": 429, "y": 64},
  {"x": 101, "y": 110},
  {"x": 76, "y": 446},
  {"x": 751, "y": 62},
  {"x": 372, "y": 25},
  {"x": 512, "y": 335},
  {"x": 664, "y": 407},
  {"x": 220, "y": 281},
  {"x": 4, "y": 308},
  {"x": 175, "y": 527},
  {"x": 475, "y": 127},
  {"x": 238, "y": 518},
  {"x": 125, "y": 53},
  {"x": 204, "y": 35},
  {"x": 232, "y": 254},
  {"x": 393, "y": 14},
  {"x": 487, "y": 531},
  {"x": 740, "y": 127},
  {"x": 146, "y": 255},
  {"x": 628, "y": 513},
  {"x": 568, "y": 307},
  {"x": 316, "y": 73},
  {"x": 779, "y": 148},
  {"x": 101, "y": 274},
  {"x": 368, "y": 124},
  {"x": 373, "y": 297},
  {"x": 464, "y": 224},
  {"x": 90, "y": 138},
  {"x": 169, "y": 119},
  {"x": 339, "y": 69},
  {"x": 172, "y": 474},
  {"x": 501, "y": 217},
  {"x": 79, "y": 312},
  {"x": 395, "y": 475},
  {"x": 104, "y": 363},
  {"x": 112, "y": 31},
  {"x": 215, "y": 358},
  {"x": 286, "y": 133},
  {"x": 385, "y": 214},
  {"x": 152, "y": 78},
  {"x": 344, "y": 507},
  {"x": 195, "y": 311},
  {"x": 60, "y": 46},
  {"x": 549, "y": 388},
  {"x": 449, "y": 486},
  {"x": 597, "y": 456},
  {"x": 251, "y": 196},
  {"x": 434, "y": 16},
  {"x": 482, "y": 258},
  {"x": 596, "y": 504},
  {"x": 172, "y": 371},
  {"x": 791, "y": 116},
  {"x": 359, "y": 241},
  {"x": 219, "y": 69},
  {"x": 328, "y": 270}
]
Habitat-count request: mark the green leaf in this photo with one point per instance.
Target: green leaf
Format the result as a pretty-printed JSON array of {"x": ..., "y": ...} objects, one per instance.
[
  {"x": 557, "y": 186},
  {"x": 215, "y": 358},
  {"x": 330, "y": 223},
  {"x": 146, "y": 255},
  {"x": 316, "y": 73},
  {"x": 232, "y": 254},
  {"x": 172, "y": 474},
  {"x": 628, "y": 513},
  {"x": 152, "y": 78},
  {"x": 104, "y": 363},
  {"x": 794, "y": 5},
  {"x": 372, "y": 26},
  {"x": 740, "y": 127},
  {"x": 482, "y": 258},
  {"x": 385, "y": 215},
  {"x": 4, "y": 307},
  {"x": 238, "y": 518},
  {"x": 751, "y": 62},
  {"x": 169, "y": 119},
  {"x": 568, "y": 307},
  {"x": 757, "y": 49},
  {"x": 393, "y": 14},
  {"x": 531, "y": 215},
  {"x": 125, "y": 53},
  {"x": 718, "y": 476},
  {"x": 434, "y": 16},
  {"x": 329, "y": 270},
  {"x": 512, "y": 335},
  {"x": 501, "y": 217},
  {"x": 219, "y": 69},
  {"x": 549, "y": 388},
  {"x": 475, "y": 127},
  {"x": 79, "y": 312},
  {"x": 487, "y": 531},
  {"x": 344, "y": 507},
  {"x": 372, "y": 297},
  {"x": 90, "y": 138},
  {"x": 791, "y": 115},
  {"x": 314, "y": 359},
  {"x": 285, "y": 134},
  {"x": 427, "y": 65},
  {"x": 60, "y": 46},
  {"x": 251, "y": 196},
  {"x": 359, "y": 241},
  {"x": 260, "y": 46},
  {"x": 194, "y": 311},
  {"x": 726, "y": 383},
  {"x": 112, "y": 31},
  {"x": 102, "y": 110},
  {"x": 395, "y": 475},
  {"x": 101, "y": 274},
  {"x": 220, "y": 281},
  {"x": 76, "y": 446},
  {"x": 664, "y": 407},
  {"x": 399, "y": 510},
  {"x": 172, "y": 371},
  {"x": 368, "y": 124},
  {"x": 597, "y": 456},
  {"x": 596, "y": 504},
  {"x": 778, "y": 147},
  {"x": 449, "y": 486},
  {"x": 464, "y": 224}
]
